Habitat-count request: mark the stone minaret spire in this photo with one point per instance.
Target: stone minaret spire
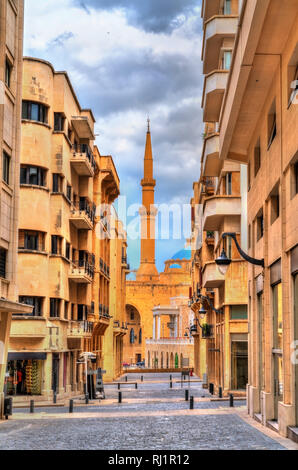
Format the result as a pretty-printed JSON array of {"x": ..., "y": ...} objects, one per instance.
[{"x": 147, "y": 269}]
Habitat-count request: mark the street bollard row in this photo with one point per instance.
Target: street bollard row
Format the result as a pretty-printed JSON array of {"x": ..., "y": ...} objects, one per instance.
[{"x": 191, "y": 403}]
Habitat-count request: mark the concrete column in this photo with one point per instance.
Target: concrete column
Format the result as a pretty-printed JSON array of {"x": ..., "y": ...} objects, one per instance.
[
  {"x": 154, "y": 327},
  {"x": 158, "y": 327},
  {"x": 47, "y": 376},
  {"x": 176, "y": 326},
  {"x": 61, "y": 390},
  {"x": 5, "y": 321}
]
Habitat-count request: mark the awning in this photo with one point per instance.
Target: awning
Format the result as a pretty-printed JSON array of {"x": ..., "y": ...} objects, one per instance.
[{"x": 23, "y": 356}]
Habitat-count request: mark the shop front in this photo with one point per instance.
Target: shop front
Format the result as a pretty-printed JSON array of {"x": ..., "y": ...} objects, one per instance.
[{"x": 24, "y": 373}]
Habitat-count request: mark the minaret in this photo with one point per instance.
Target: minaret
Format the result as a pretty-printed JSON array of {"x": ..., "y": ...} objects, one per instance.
[{"x": 147, "y": 270}]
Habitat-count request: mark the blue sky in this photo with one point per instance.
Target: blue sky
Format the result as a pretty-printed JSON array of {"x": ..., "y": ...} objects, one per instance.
[{"x": 127, "y": 59}]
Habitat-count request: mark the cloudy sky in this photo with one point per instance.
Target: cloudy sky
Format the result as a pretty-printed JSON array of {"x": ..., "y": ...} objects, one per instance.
[{"x": 128, "y": 59}]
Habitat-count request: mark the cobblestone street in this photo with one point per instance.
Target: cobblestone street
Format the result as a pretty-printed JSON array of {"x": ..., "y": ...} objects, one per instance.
[{"x": 154, "y": 417}]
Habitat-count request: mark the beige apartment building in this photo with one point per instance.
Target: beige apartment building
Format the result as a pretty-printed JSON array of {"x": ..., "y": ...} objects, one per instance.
[
  {"x": 259, "y": 127},
  {"x": 220, "y": 329},
  {"x": 11, "y": 51},
  {"x": 64, "y": 261}
]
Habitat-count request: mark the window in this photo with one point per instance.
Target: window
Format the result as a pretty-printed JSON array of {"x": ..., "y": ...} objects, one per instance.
[
  {"x": 257, "y": 157},
  {"x": 274, "y": 202},
  {"x": 140, "y": 336},
  {"x": 227, "y": 7},
  {"x": 33, "y": 175},
  {"x": 132, "y": 316},
  {"x": 59, "y": 120},
  {"x": 272, "y": 129},
  {"x": 229, "y": 184},
  {"x": 249, "y": 236},
  {"x": 8, "y": 71},
  {"x": 248, "y": 176},
  {"x": 238, "y": 312},
  {"x": 34, "y": 111},
  {"x": 55, "y": 308},
  {"x": 226, "y": 60},
  {"x": 260, "y": 225},
  {"x": 132, "y": 336},
  {"x": 29, "y": 240},
  {"x": 57, "y": 183},
  {"x": 72, "y": 314},
  {"x": 36, "y": 302},
  {"x": 3, "y": 256},
  {"x": 56, "y": 245},
  {"x": 5, "y": 167},
  {"x": 68, "y": 192},
  {"x": 293, "y": 78},
  {"x": 67, "y": 250},
  {"x": 66, "y": 305},
  {"x": 82, "y": 312}
]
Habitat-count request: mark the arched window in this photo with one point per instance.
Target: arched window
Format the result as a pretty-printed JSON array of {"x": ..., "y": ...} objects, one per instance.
[
  {"x": 140, "y": 336},
  {"x": 132, "y": 336}
]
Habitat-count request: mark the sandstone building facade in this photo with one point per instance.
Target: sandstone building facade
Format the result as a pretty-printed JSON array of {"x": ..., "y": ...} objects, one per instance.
[
  {"x": 259, "y": 127},
  {"x": 64, "y": 259},
  {"x": 218, "y": 207},
  {"x": 11, "y": 52}
]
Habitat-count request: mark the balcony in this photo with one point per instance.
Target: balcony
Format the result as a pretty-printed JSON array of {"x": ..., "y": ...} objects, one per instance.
[
  {"x": 80, "y": 329},
  {"x": 170, "y": 341},
  {"x": 210, "y": 156},
  {"x": 216, "y": 30},
  {"x": 213, "y": 92},
  {"x": 81, "y": 272},
  {"x": 216, "y": 208},
  {"x": 83, "y": 161},
  {"x": 110, "y": 177},
  {"x": 212, "y": 276},
  {"x": 24, "y": 326},
  {"x": 82, "y": 127},
  {"x": 82, "y": 216},
  {"x": 208, "y": 186},
  {"x": 210, "y": 8},
  {"x": 103, "y": 322}
]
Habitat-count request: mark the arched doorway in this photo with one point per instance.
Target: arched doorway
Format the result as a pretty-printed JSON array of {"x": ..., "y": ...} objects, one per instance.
[
  {"x": 171, "y": 360},
  {"x": 148, "y": 363},
  {"x": 161, "y": 361},
  {"x": 133, "y": 340},
  {"x": 167, "y": 360}
]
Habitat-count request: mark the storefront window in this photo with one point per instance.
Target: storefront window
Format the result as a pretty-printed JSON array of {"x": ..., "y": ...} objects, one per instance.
[
  {"x": 239, "y": 365},
  {"x": 24, "y": 377}
]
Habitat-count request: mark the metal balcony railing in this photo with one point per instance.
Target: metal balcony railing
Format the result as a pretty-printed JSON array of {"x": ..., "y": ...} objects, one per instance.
[
  {"x": 84, "y": 266},
  {"x": 84, "y": 149},
  {"x": 85, "y": 208}
]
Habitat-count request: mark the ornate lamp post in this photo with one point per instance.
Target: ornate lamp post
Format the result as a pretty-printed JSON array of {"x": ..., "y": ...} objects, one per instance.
[{"x": 224, "y": 262}]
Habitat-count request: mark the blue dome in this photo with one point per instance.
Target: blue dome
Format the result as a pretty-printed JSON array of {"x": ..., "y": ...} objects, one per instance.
[
  {"x": 183, "y": 254},
  {"x": 175, "y": 266}
]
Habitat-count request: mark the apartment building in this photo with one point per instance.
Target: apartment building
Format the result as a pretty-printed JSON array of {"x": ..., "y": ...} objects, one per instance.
[
  {"x": 11, "y": 51},
  {"x": 259, "y": 127},
  {"x": 64, "y": 264},
  {"x": 218, "y": 207}
]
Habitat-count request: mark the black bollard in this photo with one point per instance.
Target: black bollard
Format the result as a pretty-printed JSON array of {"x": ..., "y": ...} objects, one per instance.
[
  {"x": 231, "y": 400},
  {"x": 126, "y": 378},
  {"x": 87, "y": 398},
  {"x": 191, "y": 401},
  {"x": 119, "y": 386},
  {"x": 120, "y": 397},
  {"x": 211, "y": 388},
  {"x": 142, "y": 378},
  {"x": 186, "y": 395},
  {"x": 31, "y": 406},
  {"x": 71, "y": 406},
  {"x": 55, "y": 398},
  {"x": 170, "y": 378},
  {"x": 136, "y": 386},
  {"x": 171, "y": 384},
  {"x": 220, "y": 392}
]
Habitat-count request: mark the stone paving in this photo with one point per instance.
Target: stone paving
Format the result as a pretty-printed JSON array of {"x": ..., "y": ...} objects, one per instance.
[{"x": 163, "y": 422}]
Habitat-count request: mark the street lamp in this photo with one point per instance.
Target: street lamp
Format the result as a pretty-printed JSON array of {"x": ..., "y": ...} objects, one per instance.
[{"x": 224, "y": 262}]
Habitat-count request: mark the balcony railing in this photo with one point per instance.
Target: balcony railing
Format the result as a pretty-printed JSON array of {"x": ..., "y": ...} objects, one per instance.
[
  {"x": 79, "y": 328},
  {"x": 84, "y": 149},
  {"x": 84, "y": 266}
]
